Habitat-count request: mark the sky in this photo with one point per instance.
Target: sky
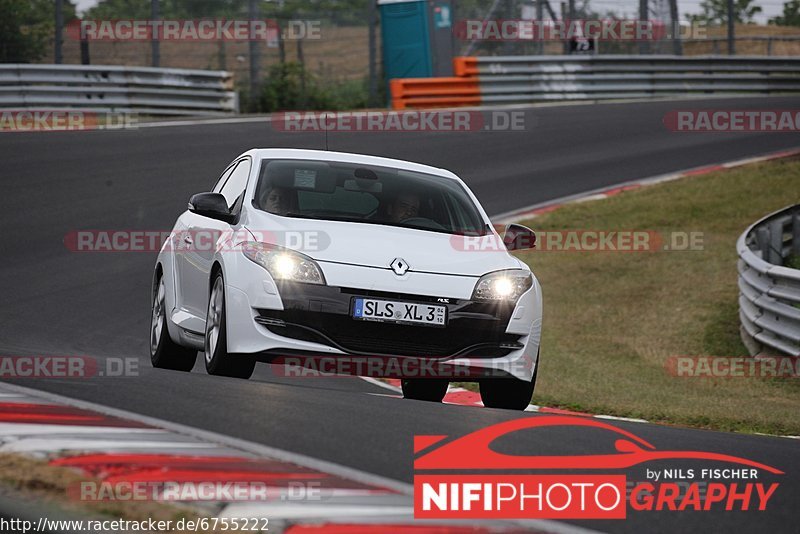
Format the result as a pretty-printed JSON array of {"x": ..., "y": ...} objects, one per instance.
[{"x": 770, "y": 7}]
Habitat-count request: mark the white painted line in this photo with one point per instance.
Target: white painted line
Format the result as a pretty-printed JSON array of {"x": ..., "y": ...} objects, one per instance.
[
  {"x": 307, "y": 511},
  {"x": 380, "y": 383},
  {"x": 615, "y": 418},
  {"x": 93, "y": 444},
  {"x": 589, "y": 198},
  {"x": 378, "y": 515},
  {"x": 30, "y": 429},
  {"x": 192, "y": 122},
  {"x": 776, "y": 435}
]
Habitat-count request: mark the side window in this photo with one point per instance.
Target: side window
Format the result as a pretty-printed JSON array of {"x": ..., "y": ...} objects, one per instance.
[
  {"x": 222, "y": 178},
  {"x": 234, "y": 188}
]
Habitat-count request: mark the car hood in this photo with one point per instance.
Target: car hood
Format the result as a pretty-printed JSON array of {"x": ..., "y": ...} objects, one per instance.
[{"x": 375, "y": 245}]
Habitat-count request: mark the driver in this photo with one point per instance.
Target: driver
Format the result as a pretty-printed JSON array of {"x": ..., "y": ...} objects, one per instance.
[
  {"x": 404, "y": 206},
  {"x": 278, "y": 200}
]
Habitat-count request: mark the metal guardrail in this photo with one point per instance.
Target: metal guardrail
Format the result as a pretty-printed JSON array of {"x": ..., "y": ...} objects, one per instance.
[
  {"x": 769, "y": 292},
  {"x": 118, "y": 89},
  {"x": 521, "y": 79}
]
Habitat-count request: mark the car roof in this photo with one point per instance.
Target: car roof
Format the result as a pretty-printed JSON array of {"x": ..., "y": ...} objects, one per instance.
[{"x": 347, "y": 157}]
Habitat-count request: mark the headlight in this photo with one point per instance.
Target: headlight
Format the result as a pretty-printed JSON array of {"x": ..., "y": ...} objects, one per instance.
[
  {"x": 284, "y": 264},
  {"x": 502, "y": 285}
]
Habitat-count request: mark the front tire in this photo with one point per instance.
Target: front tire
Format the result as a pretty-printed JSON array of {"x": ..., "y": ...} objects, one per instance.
[
  {"x": 508, "y": 393},
  {"x": 424, "y": 389},
  {"x": 218, "y": 361},
  {"x": 165, "y": 353}
]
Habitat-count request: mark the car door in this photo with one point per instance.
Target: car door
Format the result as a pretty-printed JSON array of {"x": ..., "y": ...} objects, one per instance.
[
  {"x": 204, "y": 233},
  {"x": 182, "y": 244}
]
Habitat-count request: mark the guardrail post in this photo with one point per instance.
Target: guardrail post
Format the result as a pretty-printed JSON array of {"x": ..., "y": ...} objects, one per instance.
[
  {"x": 762, "y": 242},
  {"x": 796, "y": 233},
  {"x": 644, "y": 14},
  {"x": 85, "y": 60},
  {"x": 59, "y": 58},
  {"x": 154, "y": 44},
  {"x": 731, "y": 30},
  {"x": 776, "y": 243},
  {"x": 539, "y": 17},
  {"x": 255, "y": 81}
]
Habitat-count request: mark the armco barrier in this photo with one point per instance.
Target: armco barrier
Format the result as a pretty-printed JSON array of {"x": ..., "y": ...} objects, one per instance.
[
  {"x": 769, "y": 293},
  {"x": 144, "y": 90},
  {"x": 434, "y": 92},
  {"x": 521, "y": 79}
]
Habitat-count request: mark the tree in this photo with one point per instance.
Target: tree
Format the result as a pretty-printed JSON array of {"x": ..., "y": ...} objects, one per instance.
[
  {"x": 26, "y": 28},
  {"x": 169, "y": 9},
  {"x": 791, "y": 15},
  {"x": 716, "y": 11},
  {"x": 340, "y": 11}
]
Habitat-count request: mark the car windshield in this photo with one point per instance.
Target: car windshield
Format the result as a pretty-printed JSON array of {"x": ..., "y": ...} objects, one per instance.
[{"x": 338, "y": 191}]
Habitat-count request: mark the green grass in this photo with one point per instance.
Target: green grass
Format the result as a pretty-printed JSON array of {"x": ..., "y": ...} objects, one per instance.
[{"x": 612, "y": 319}]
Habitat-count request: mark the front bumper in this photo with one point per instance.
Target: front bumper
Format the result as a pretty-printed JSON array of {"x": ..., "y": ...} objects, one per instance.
[{"x": 480, "y": 338}]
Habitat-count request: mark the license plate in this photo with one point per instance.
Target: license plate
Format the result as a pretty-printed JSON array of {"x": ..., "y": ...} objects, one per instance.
[{"x": 393, "y": 311}]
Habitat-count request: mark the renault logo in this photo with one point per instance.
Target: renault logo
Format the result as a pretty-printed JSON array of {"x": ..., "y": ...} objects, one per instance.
[{"x": 399, "y": 266}]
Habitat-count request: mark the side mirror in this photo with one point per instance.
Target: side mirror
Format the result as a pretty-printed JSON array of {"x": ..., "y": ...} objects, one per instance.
[
  {"x": 518, "y": 237},
  {"x": 211, "y": 205}
]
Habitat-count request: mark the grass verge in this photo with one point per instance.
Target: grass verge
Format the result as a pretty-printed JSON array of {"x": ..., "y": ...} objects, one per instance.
[{"x": 612, "y": 319}]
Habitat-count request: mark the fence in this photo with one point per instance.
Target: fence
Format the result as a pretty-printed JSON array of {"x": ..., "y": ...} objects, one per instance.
[
  {"x": 520, "y": 79},
  {"x": 769, "y": 298},
  {"x": 143, "y": 90}
]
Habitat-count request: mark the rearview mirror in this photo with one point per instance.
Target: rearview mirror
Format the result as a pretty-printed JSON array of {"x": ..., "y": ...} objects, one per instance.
[
  {"x": 518, "y": 237},
  {"x": 211, "y": 205}
]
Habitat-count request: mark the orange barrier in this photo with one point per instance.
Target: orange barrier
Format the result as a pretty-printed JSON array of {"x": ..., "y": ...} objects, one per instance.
[
  {"x": 433, "y": 92},
  {"x": 465, "y": 66}
]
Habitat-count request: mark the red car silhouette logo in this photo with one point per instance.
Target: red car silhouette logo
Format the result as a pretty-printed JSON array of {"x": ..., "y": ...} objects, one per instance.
[{"x": 473, "y": 451}]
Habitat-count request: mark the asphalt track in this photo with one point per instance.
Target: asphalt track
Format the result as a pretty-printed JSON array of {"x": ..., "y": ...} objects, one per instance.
[{"x": 59, "y": 302}]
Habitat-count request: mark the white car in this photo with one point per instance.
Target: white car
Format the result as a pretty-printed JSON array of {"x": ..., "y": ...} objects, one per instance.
[{"x": 327, "y": 254}]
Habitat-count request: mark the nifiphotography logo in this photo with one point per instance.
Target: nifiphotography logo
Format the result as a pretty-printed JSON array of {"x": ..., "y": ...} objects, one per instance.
[{"x": 467, "y": 478}]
